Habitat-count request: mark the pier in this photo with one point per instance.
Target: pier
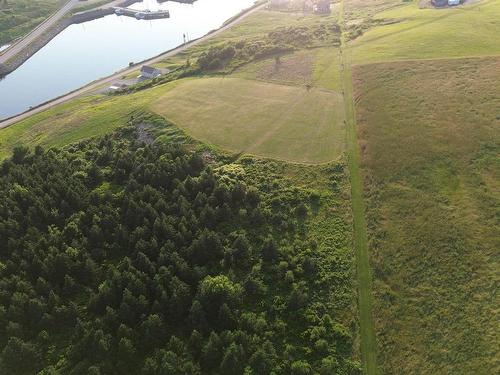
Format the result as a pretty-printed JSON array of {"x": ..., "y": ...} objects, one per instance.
[{"x": 141, "y": 14}]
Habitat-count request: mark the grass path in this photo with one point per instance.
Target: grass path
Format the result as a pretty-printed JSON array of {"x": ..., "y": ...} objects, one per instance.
[{"x": 367, "y": 331}]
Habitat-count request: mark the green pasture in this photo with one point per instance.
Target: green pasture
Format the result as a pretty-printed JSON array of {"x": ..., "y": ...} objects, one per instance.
[
  {"x": 430, "y": 146},
  {"x": 467, "y": 30}
]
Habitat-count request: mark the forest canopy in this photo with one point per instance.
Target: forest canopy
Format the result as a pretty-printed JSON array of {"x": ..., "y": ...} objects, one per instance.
[{"x": 118, "y": 257}]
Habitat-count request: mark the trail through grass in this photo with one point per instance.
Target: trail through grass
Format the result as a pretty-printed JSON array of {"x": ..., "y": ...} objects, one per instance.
[
  {"x": 430, "y": 141},
  {"x": 367, "y": 332}
]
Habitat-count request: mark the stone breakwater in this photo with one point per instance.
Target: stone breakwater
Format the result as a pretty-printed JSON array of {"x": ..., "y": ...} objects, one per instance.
[{"x": 19, "y": 59}]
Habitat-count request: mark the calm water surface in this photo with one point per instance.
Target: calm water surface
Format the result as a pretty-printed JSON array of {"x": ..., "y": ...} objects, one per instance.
[{"x": 95, "y": 49}]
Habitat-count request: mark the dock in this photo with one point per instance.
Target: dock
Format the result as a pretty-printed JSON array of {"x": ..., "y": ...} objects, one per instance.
[
  {"x": 141, "y": 14},
  {"x": 178, "y": 1}
]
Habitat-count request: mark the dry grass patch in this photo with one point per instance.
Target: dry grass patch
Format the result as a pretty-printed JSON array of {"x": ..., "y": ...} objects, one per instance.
[
  {"x": 269, "y": 120},
  {"x": 318, "y": 67},
  {"x": 430, "y": 137},
  {"x": 295, "y": 68},
  {"x": 356, "y": 9}
]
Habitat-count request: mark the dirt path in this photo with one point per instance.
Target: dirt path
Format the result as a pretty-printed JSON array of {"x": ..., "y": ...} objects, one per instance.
[
  {"x": 367, "y": 330},
  {"x": 17, "y": 47},
  {"x": 93, "y": 86}
]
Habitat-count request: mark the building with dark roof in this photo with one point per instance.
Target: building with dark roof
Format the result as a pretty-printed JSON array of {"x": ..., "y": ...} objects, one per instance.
[{"x": 149, "y": 72}]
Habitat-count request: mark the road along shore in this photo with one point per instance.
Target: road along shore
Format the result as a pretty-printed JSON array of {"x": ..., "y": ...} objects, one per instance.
[
  {"x": 10, "y": 61},
  {"x": 95, "y": 85}
]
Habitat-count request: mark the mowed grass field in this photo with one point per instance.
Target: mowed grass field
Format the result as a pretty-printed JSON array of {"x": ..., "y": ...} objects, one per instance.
[
  {"x": 430, "y": 143},
  {"x": 285, "y": 122},
  {"x": 469, "y": 30}
]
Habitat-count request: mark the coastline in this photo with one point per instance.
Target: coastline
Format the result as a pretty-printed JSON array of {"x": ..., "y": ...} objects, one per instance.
[
  {"x": 25, "y": 54},
  {"x": 92, "y": 86}
]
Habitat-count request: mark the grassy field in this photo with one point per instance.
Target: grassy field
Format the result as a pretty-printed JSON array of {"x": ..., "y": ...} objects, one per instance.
[
  {"x": 18, "y": 17},
  {"x": 255, "y": 26},
  {"x": 317, "y": 112},
  {"x": 430, "y": 154},
  {"x": 356, "y": 10},
  {"x": 469, "y": 30},
  {"x": 76, "y": 120},
  {"x": 367, "y": 343},
  {"x": 270, "y": 120},
  {"x": 318, "y": 67}
]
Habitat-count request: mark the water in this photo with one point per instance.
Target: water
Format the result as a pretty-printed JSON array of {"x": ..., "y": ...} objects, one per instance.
[{"x": 85, "y": 52}]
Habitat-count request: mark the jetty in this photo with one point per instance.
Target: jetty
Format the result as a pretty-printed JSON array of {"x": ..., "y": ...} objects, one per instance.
[
  {"x": 141, "y": 14},
  {"x": 178, "y": 1}
]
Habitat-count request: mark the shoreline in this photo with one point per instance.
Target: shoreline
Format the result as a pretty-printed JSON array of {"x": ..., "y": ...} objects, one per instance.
[
  {"x": 89, "y": 15},
  {"x": 93, "y": 85}
]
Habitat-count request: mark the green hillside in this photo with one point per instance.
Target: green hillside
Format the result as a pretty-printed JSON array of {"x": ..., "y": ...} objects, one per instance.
[
  {"x": 432, "y": 167},
  {"x": 126, "y": 255},
  {"x": 365, "y": 142}
]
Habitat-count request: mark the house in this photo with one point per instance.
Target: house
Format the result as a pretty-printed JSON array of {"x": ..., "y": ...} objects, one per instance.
[
  {"x": 440, "y": 3},
  {"x": 322, "y": 7},
  {"x": 148, "y": 72},
  {"x": 279, "y": 4}
]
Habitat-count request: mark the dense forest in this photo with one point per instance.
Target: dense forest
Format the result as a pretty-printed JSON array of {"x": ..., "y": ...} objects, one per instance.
[{"x": 121, "y": 257}]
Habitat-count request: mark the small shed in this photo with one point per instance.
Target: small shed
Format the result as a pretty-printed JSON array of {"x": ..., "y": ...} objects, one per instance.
[
  {"x": 149, "y": 72},
  {"x": 322, "y": 7}
]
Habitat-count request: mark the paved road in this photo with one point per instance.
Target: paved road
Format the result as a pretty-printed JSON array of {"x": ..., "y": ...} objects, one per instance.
[
  {"x": 92, "y": 87},
  {"x": 37, "y": 32}
]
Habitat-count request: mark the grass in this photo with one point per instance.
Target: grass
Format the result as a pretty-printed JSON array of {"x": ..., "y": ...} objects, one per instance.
[
  {"x": 317, "y": 113},
  {"x": 469, "y": 30},
  {"x": 363, "y": 267},
  {"x": 356, "y": 10},
  {"x": 255, "y": 27},
  {"x": 18, "y": 17},
  {"x": 327, "y": 71},
  {"x": 318, "y": 67},
  {"x": 76, "y": 120},
  {"x": 269, "y": 120},
  {"x": 231, "y": 113},
  {"x": 293, "y": 69},
  {"x": 430, "y": 155},
  {"x": 264, "y": 21}
]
